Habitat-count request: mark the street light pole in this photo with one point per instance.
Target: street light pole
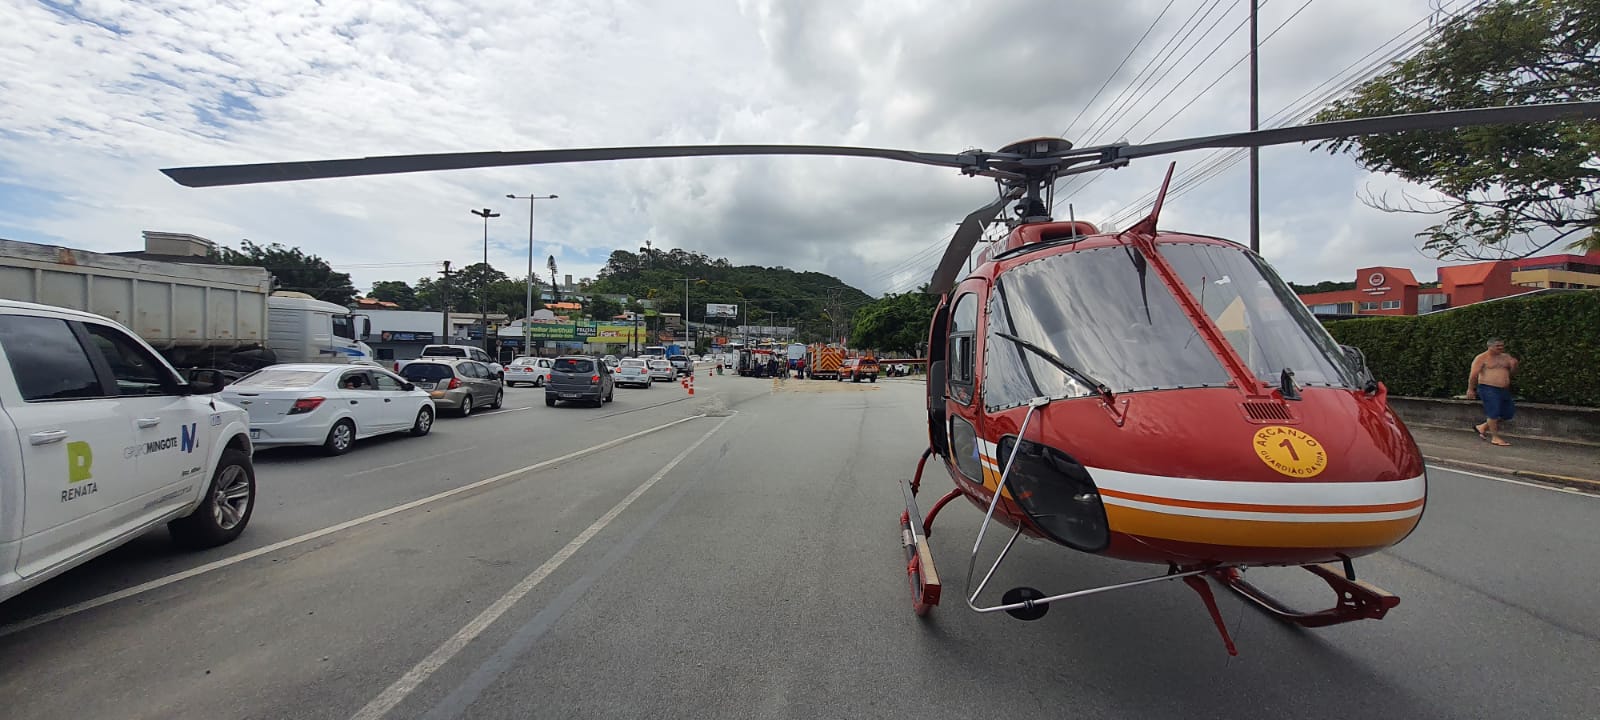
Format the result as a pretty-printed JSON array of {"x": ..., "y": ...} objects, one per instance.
[
  {"x": 686, "y": 332},
  {"x": 527, "y": 331},
  {"x": 483, "y": 278}
]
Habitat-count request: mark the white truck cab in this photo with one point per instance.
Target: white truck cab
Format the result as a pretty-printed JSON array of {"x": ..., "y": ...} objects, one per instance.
[{"x": 100, "y": 440}]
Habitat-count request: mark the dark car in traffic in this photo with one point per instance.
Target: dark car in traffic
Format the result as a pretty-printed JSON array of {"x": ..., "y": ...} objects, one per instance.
[{"x": 579, "y": 378}]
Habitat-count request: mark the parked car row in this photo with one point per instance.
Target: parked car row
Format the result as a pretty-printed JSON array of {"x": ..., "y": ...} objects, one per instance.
[{"x": 101, "y": 439}]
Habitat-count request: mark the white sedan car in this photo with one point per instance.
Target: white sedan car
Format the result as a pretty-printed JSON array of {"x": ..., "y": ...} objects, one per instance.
[{"x": 328, "y": 405}]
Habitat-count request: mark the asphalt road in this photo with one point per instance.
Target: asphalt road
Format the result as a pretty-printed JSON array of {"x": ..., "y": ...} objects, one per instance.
[{"x": 740, "y": 558}]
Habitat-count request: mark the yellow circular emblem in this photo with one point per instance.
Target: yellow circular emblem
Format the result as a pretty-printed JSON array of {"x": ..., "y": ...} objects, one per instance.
[{"x": 1290, "y": 451}]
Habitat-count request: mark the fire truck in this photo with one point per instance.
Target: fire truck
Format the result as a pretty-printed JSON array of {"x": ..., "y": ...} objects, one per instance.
[{"x": 822, "y": 362}]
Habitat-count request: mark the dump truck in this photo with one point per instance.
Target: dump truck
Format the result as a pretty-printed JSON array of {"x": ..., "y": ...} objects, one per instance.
[{"x": 198, "y": 315}]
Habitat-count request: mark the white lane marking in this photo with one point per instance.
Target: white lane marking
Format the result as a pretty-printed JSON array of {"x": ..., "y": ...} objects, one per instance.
[
  {"x": 396, "y": 693},
  {"x": 381, "y": 468},
  {"x": 1538, "y": 486},
  {"x": 496, "y": 412},
  {"x": 123, "y": 594}
]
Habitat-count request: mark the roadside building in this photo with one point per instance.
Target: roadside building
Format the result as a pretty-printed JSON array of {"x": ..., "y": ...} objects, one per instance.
[{"x": 1384, "y": 290}]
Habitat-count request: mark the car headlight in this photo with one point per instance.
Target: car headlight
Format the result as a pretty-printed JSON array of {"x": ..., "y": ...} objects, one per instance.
[{"x": 1057, "y": 494}]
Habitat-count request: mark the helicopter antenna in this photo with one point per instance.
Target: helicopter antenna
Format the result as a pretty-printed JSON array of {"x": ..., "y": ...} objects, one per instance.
[
  {"x": 1073, "y": 218},
  {"x": 1147, "y": 226}
]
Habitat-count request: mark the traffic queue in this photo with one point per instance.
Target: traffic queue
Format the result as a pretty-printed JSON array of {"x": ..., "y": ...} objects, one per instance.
[{"x": 102, "y": 438}]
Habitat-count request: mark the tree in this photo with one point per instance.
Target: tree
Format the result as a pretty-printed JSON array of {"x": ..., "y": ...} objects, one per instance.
[
  {"x": 293, "y": 270},
  {"x": 1508, "y": 189},
  {"x": 895, "y": 323},
  {"x": 603, "y": 309},
  {"x": 436, "y": 295},
  {"x": 395, "y": 291}
]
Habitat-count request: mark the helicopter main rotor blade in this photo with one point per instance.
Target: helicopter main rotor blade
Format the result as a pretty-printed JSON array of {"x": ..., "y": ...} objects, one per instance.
[
  {"x": 962, "y": 242},
  {"x": 1365, "y": 126},
  {"x": 215, "y": 175}
]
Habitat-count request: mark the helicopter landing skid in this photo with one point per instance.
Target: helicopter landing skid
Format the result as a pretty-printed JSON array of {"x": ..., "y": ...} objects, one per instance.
[
  {"x": 920, "y": 572},
  {"x": 1357, "y": 600}
]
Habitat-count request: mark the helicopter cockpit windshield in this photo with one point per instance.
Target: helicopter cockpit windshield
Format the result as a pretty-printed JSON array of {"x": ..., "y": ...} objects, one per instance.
[
  {"x": 1098, "y": 312},
  {"x": 1259, "y": 315}
]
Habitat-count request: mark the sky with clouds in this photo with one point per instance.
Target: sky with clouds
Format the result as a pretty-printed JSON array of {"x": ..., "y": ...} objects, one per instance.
[{"x": 96, "y": 96}]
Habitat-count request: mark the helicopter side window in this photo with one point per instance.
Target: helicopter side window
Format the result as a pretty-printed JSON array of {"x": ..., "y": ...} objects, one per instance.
[
  {"x": 964, "y": 448},
  {"x": 963, "y": 331}
]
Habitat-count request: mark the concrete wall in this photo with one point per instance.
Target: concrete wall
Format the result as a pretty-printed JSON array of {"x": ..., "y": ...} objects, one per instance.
[{"x": 1555, "y": 422}]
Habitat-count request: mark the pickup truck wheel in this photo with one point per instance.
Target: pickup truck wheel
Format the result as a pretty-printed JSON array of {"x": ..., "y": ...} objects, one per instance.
[
  {"x": 423, "y": 424},
  {"x": 340, "y": 437},
  {"x": 549, "y": 402},
  {"x": 225, "y": 511}
]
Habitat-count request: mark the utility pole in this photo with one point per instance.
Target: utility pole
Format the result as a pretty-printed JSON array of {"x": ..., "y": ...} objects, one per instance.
[
  {"x": 483, "y": 281},
  {"x": 444, "y": 293},
  {"x": 527, "y": 330},
  {"x": 1255, "y": 124},
  {"x": 687, "y": 336}
]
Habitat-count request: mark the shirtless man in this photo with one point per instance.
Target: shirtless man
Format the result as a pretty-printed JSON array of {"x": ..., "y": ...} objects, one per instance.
[{"x": 1490, "y": 380}]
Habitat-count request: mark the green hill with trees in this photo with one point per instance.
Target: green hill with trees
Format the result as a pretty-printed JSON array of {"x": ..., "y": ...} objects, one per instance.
[{"x": 820, "y": 305}]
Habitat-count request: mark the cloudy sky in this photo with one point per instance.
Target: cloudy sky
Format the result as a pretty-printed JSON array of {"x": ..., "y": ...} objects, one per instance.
[{"x": 96, "y": 96}]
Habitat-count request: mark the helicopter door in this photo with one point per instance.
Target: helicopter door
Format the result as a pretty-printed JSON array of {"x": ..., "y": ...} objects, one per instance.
[
  {"x": 961, "y": 391},
  {"x": 940, "y": 328}
]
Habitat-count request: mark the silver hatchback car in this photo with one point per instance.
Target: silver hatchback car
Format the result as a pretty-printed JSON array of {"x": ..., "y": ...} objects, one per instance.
[{"x": 459, "y": 385}]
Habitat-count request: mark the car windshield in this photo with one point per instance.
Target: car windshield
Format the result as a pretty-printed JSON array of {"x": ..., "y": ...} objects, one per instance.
[
  {"x": 427, "y": 371},
  {"x": 277, "y": 378},
  {"x": 631, "y": 363},
  {"x": 660, "y": 364},
  {"x": 444, "y": 352},
  {"x": 519, "y": 362},
  {"x": 1103, "y": 311},
  {"x": 575, "y": 365},
  {"x": 1259, "y": 315}
]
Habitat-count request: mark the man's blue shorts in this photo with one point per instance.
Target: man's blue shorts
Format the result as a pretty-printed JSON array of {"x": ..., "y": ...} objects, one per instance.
[{"x": 1497, "y": 403}]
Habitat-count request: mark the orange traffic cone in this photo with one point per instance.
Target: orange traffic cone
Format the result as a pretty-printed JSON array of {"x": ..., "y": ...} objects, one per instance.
[{"x": 691, "y": 385}]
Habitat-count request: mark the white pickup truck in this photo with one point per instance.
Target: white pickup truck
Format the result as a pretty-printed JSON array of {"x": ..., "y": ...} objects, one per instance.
[{"x": 100, "y": 441}]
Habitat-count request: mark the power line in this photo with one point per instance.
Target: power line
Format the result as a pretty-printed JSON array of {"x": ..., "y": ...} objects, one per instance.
[
  {"x": 1157, "y": 82},
  {"x": 1224, "y": 74},
  {"x": 1118, "y": 69},
  {"x": 1116, "y": 101},
  {"x": 1222, "y": 160}
]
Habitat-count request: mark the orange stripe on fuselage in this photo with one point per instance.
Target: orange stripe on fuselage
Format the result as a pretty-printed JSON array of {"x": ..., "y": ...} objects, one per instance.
[
  {"x": 1257, "y": 533},
  {"x": 1253, "y": 507}
]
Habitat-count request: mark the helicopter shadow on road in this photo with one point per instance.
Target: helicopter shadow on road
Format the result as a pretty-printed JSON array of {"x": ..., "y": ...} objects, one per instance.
[{"x": 1145, "y": 653}]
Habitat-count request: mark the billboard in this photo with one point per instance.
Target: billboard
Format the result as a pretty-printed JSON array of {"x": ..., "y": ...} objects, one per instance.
[
  {"x": 604, "y": 332},
  {"x": 719, "y": 310}
]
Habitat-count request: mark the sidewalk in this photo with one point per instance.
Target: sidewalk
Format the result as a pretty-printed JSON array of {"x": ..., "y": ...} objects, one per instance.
[{"x": 1570, "y": 464}]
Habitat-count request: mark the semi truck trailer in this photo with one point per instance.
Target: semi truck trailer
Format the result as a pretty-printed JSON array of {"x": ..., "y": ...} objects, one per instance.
[{"x": 198, "y": 315}]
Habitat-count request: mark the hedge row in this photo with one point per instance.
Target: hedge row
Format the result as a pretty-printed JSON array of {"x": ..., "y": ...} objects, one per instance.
[{"x": 1556, "y": 338}]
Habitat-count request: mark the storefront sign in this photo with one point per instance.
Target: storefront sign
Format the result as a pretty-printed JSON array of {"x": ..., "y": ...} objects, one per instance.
[{"x": 405, "y": 336}]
